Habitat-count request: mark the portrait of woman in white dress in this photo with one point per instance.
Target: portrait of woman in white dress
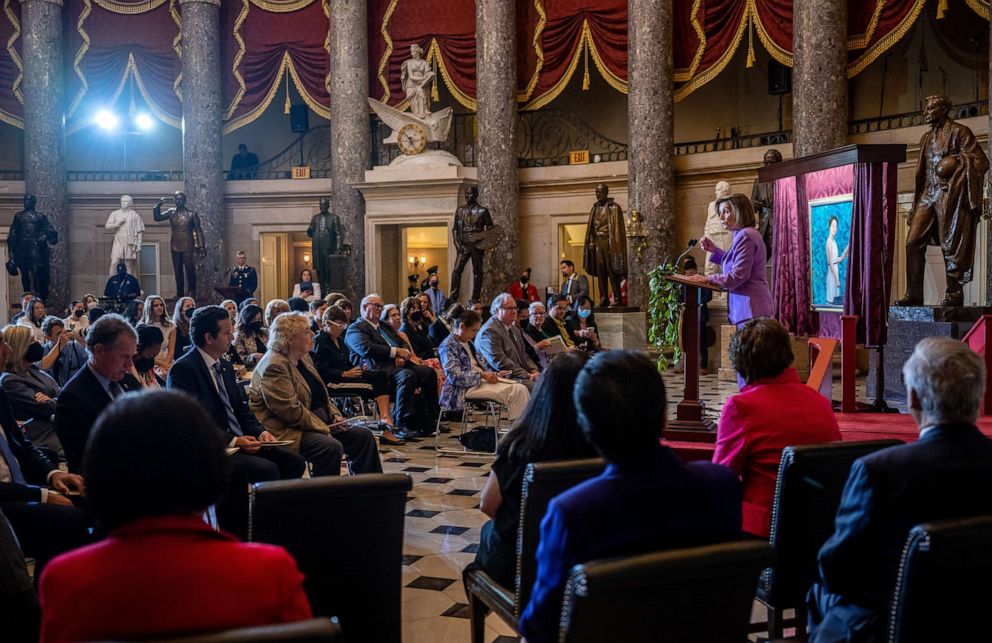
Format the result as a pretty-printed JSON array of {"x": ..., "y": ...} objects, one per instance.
[{"x": 835, "y": 294}]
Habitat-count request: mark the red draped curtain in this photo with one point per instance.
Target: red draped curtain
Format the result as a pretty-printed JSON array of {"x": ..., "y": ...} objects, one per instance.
[{"x": 11, "y": 76}]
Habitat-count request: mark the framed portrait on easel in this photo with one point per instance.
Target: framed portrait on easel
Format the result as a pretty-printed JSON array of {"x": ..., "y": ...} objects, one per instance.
[{"x": 829, "y": 246}]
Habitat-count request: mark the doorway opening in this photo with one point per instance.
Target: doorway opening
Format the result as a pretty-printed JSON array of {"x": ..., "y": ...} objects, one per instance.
[
  {"x": 571, "y": 245},
  {"x": 405, "y": 254}
]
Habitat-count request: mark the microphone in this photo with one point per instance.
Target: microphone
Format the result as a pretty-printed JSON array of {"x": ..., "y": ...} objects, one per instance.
[{"x": 688, "y": 248}]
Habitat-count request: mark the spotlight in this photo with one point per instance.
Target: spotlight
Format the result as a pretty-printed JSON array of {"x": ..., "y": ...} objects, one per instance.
[
  {"x": 106, "y": 119},
  {"x": 144, "y": 121}
]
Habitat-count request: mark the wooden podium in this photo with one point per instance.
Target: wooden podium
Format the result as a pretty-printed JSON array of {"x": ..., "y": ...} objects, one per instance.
[{"x": 689, "y": 424}]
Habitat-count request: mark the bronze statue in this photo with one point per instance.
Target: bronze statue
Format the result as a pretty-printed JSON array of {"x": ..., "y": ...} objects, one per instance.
[
  {"x": 28, "y": 245},
  {"x": 605, "y": 254},
  {"x": 325, "y": 230},
  {"x": 187, "y": 238},
  {"x": 950, "y": 175},
  {"x": 763, "y": 200},
  {"x": 472, "y": 221}
]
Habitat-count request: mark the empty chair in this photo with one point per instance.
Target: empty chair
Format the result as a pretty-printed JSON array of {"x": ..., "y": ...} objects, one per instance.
[
  {"x": 942, "y": 588},
  {"x": 346, "y": 535},
  {"x": 542, "y": 482},
  {"x": 318, "y": 630},
  {"x": 810, "y": 483},
  {"x": 702, "y": 594}
]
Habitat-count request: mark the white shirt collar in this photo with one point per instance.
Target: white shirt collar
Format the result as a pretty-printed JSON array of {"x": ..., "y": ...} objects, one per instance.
[{"x": 207, "y": 359}]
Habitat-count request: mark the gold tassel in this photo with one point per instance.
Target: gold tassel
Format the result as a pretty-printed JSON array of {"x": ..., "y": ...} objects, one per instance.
[
  {"x": 585, "y": 72},
  {"x": 750, "y": 43},
  {"x": 435, "y": 96},
  {"x": 287, "y": 104},
  {"x": 941, "y": 9}
]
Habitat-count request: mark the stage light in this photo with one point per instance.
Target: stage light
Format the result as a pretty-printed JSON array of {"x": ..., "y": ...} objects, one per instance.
[
  {"x": 144, "y": 121},
  {"x": 106, "y": 119}
]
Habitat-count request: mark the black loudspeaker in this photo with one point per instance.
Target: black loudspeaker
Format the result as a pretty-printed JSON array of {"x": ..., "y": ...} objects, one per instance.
[
  {"x": 779, "y": 79},
  {"x": 299, "y": 119}
]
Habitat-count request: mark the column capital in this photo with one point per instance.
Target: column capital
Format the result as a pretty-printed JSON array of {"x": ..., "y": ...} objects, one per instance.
[
  {"x": 55, "y": 2},
  {"x": 215, "y": 3}
]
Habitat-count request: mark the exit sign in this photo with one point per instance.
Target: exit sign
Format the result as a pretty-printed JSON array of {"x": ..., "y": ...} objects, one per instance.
[
  {"x": 578, "y": 157},
  {"x": 301, "y": 172}
]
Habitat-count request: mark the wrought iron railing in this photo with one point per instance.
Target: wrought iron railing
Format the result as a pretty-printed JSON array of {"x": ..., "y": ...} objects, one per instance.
[
  {"x": 912, "y": 119},
  {"x": 733, "y": 143},
  {"x": 546, "y": 137},
  {"x": 130, "y": 175},
  {"x": 460, "y": 143}
]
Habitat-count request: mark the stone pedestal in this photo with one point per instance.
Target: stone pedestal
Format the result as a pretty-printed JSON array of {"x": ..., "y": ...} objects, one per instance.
[
  {"x": 338, "y": 271},
  {"x": 622, "y": 330}
]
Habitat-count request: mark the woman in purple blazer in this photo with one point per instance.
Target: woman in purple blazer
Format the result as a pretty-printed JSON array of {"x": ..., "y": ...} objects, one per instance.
[{"x": 743, "y": 263}]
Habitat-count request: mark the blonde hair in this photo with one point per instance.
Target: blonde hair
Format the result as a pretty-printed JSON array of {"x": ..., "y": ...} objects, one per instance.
[
  {"x": 273, "y": 309},
  {"x": 19, "y": 337},
  {"x": 283, "y": 328}
]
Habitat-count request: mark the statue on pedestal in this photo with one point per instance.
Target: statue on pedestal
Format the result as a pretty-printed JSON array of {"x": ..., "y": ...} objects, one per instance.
[
  {"x": 947, "y": 203},
  {"x": 605, "y": 255},
  {"x": 129, "y": 230},
  {"x": 714, "y": 228},
  {"x": 416, "y": 76},
  {"x": 763, "y": 200},
  {"x": 187, "y": 239},
  {"x": 325, "y": 231},
  {"x": 28, "y": 246},
  {"x": 474, "y": 233}
]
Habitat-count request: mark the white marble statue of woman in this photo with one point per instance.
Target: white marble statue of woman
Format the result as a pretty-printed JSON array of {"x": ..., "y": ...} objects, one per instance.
[
  {"x": 127, "y": 238},
  {"x": 834, "y": 292},
  {"x": 416, "y": 77},
  {"x": 714, "y": 228}
]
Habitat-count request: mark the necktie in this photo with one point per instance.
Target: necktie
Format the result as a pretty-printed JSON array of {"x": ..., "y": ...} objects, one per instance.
[
  {"x": 115, "y": 390},
  {"x": 521, "y": 353},
  {"x": 385, "y": 336},
  {"x": 232, "y": 420},
  {"x": 12, "y": 465}
]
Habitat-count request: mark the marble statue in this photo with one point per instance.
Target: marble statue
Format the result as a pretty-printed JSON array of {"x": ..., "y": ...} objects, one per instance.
[
  {"x": 28, "y": 243},
  {"x": 763, "y": 200},
  {"x": 129, "y": 230},
  {"x": 187, "y": 239},
  {"x": 714, "y": 228},
  {"x": 947, "y": 203},
  {"x": 605, "y": 255},
  {"x": 416, "y": 77},
  {"x": 472, "y": 238},
  {"x": 325, "y": 231}
]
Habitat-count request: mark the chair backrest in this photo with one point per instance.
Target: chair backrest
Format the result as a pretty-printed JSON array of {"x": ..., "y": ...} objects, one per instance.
[
  {"x": 808, "y": 490},
  {"x": 318, "y": 630},
  {"x": 942, "y": 588},
  {"x": 542, "y": 482},
  {"x": 702, "y": 594},
  {"x": 346, "y": 535}
]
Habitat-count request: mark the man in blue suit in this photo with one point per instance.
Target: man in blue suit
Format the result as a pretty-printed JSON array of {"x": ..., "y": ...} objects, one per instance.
[
  {"x": 647, "y": 499},
  {"x": 946, "y": 474}
]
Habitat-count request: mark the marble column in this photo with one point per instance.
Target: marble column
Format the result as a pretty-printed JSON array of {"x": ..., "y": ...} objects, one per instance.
[
  {"x": 44, "y": 133},
  {"x": 203, "y": 163},
  {"x": 651, "y": 153},
  {"x": 819, "y": 76},
  {"x": 496, "y": 141},
  {"x": 350, "y": 143}
]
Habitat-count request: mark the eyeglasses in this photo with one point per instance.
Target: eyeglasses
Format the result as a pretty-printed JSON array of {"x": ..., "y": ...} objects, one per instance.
[
  {"x": 373, "y": 305},
  {"x": 513, "y": 308}
]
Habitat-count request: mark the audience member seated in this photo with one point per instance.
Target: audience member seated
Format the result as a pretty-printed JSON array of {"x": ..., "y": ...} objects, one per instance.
[
  {"x": 501, "y": 343},
  {"x": 155, "y": 315},
  {"x": 31, "y": 490},
  {"x": 185, "y": 306},
  {"x": 465, "y": 377},
  {"x": 273, "y": 309},
  {"x": 477, "y": 308},
  {"x": 441, "y": 327},
  {"x": 134, "y": 312},
  {"x": 557, "y": 321},
  {"x": 250, "y": 336},
  {"x": 522, "y": 289},
  {"x": 646, "y": 500},
  {"x": 142, "y": 374},
  {"x": 64, "y": 354},
  {"x": 298, "y": 305},
  {"x": 231, "y": 307},
  {"x": 774, "y": 410},
  {"x": 33, "y": 318},
  {"x": 25, "y": 305},
  {"x": 76, "y": 320},
  {"x": 122, "y": 287},
  {"x": 333, "y": 298},
  {"x": 392, "y": 320},
  {"x": 414, "y": 325},
  {"x": 307, "y": 289},
  {"x": 523, "y": 314},
  {"x": 90, "y": 301},
  {"x": 547, "y": 430},
  {"x": 153, "y": 467},
  {"x": 946, "y": 474},
  {"x": 250, "y": 301},
  {"x": 316, "y": 314},
  {"x": 32, "y": 392},
  {"x": 435, "y": 297},
  {"x": 290, "y": 400},
  {"x": 332, "y": 359},
  {"x": 111, "y": 343},
  {"x": 204, "y": 375},
  {"x": 94, "y": 314},
  {"x": 348, "y": 309},
  {"x": 373, "y": 346},
  {"x": 582, "y": 326},
  {"x": 536, "y": 337}
]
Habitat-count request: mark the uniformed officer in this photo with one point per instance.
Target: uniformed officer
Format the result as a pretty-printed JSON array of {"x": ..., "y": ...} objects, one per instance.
[{"x": 243, "y": 276}]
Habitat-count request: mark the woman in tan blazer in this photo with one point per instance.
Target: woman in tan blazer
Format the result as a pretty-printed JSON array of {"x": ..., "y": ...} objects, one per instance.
[{"x": 290, "y": 400}]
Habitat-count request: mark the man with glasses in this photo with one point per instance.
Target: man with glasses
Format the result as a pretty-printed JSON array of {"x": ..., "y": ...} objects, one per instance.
[
  {"x": 536, "y": 338},
  {"x": 502, "y": 344},
  {"x": 371, "y": 346}
]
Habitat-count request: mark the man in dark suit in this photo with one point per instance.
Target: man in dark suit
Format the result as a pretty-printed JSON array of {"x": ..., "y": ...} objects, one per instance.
[
  {"x": 620, "y": 400},
  {"x": 502, "y": 344},
  {"x": 111, "y": 343},
  {"x": 946, "y": 474},
  {"x": 375, "y": 345},
  {"x": 203, "y": 373},
  {"x": 573, "y": 285}
]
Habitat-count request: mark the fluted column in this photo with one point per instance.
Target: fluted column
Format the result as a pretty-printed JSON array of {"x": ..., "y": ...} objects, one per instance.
[
  {"x": 350, "y": 129},
  {"x": 650, "y": 155},
  {"x": 819, "y": 76},
  {"x": 203, "y": 174},
  {"x": 496, "y": 145},
  {"x": 44, "y": 133}
]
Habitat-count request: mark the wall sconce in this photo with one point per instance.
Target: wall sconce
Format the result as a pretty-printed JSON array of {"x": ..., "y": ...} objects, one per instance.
[
  {"x": 416, "y": 262},
  {"x": 306, "y": 259},
  {"x": 635, "y": 232}
]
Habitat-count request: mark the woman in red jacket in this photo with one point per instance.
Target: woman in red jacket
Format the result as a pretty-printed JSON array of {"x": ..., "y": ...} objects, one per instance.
[
  {"x": 773, "y": 410},
  {"x": 153, "y": 464}
]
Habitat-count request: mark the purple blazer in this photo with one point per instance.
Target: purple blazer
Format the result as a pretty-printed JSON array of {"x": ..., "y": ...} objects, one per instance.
[{"x": 744, "y": 276}]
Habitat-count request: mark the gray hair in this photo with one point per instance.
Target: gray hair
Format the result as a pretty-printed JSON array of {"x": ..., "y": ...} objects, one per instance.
[
  {"x": 534, "y": 305},
  {"x": 107, "y": 329},
  {"x": 48, "y": 322},
  {"x": 366, "y": 298},
  {"x": 284, "y": 326},
  {"x": 498, "y": 302},
  {"x": 384, "y": 315},
  {"x": 948, "y": 378}
]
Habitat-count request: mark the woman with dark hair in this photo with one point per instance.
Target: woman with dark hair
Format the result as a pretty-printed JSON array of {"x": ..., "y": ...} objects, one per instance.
[
  {"x": 441, "y": 328},
  {"x": 307, "y": 288},
  {"x": 155, "y": 315},
  {"x": 772, "y": 411},
  {"x": 142, "y": 373},
  {"x": 250, "y": 336},
  {"x": 134, "y": 312},
  {"x": 582, "y": 325},
  {"x": 548, "y": 430},
  {"x": 32, "y": 319},
  {"x": 153, "y": 465},
  {"x": 414, "y": 325},
  {"x": 181, "y": 314}
]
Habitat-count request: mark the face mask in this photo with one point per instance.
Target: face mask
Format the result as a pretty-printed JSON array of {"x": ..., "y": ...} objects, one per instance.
[
  {"x": 416, "y": 316},
  {"x": 524, "y": 279},
  {"x": 78, "y": 313},
  {"x": 91, "y": 305},
  {"x": 255, "y": 326},
  {"x": 144, "y": 364},
  {"x": 34, "y": 353},
  {"x": 585, "y": 312},
  {"x": 188, "y": 313}
]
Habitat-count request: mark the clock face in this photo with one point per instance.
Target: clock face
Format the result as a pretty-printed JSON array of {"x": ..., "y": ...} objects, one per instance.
[{"x": 411, "y": 139}]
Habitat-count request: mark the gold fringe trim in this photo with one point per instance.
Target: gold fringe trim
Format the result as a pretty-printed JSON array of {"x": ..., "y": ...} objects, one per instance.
[
  {"x": 16, "y": 24},
  {"x": 783, "y": 56},
  {"x": 861, "y": 41},
  {"x": 750, "y": 43},
  {"x": 312, "y": 103},
  {"x": 287, "y": 105},
  {"x": 614, "y": 81},
  {"x": 682, "y": 76},
  {"x": 80, "y": 54},
  {"x": 542, "y": 21},
  {"x": 941, "y": 9},
  {"x": 434, "y": 54},
  {"x": 177, "y": 47},
  {"x": 286, "y": 66},
  {"x": 584, "y": 44},
  {"x": 282, "y": 7},
  {"x": 384, "y": 30},
  {"x": 585, "y": 68},
  {"x": 238, "y": 57},
  {"x": 327, "y": 47},
  {"x": 714, "y": 70},
  {"x": 434, "y": 93},
  {"x": 981, "y": 7},
  {"x": 128, "y": 8},
  {"x": 890, "y": 39}
]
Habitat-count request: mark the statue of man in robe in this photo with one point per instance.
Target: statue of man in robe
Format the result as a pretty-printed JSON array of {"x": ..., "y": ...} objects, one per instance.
[
  {"x": 129, "y": 230},
  {"x": 950, "y": 176},
  {"x": 325, "y": 231},
  {"x": 714, "y": 228},
  {"x": 605, "y": 255},
  {"x": 416, "y": 77},
  {"x": 28, "y": 246},
  {"x": 763, "y": 200}
]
